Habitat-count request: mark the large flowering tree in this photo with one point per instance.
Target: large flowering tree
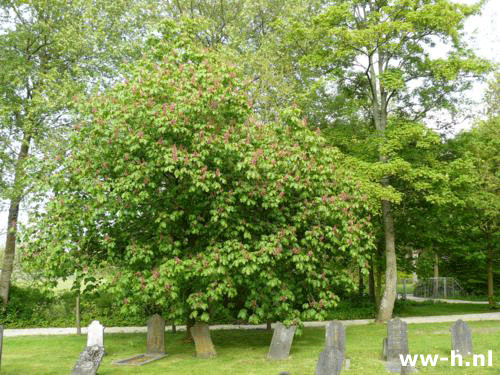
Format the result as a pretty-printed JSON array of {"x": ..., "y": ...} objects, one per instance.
[{"x": 197, "y": 205}]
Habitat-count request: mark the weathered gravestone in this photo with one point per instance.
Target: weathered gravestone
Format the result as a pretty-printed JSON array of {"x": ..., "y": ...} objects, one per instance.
[
  {"x": 335, "y": 335},
  {"x": 156, "y": 335},
  {"x": 331, "y": 359},
  {"x": 461, "y": 338},
  {"x": 202, "y": 340},
  {"x": 281, "y": 341},
  {"x": 89, "y": 361},
  {"x": 91, "y": 357},
  {"x": 95, "y": 334},
  {"x": 396, "y": 344},
  {"x": 155, "y": 344}
]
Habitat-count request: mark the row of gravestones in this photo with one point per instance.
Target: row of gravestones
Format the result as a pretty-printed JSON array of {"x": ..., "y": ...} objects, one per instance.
[
  {"x": 396, "y": 343},
  {"x": 331, "y": 359},
  {"x": 91, "y": 357}
]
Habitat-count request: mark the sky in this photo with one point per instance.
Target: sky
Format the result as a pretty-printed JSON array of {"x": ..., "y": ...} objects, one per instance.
[{"x": 482, "y": 33}]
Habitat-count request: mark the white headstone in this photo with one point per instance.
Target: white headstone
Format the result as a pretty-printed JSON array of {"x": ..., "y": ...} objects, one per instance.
[{"x": 95, "y": 334}]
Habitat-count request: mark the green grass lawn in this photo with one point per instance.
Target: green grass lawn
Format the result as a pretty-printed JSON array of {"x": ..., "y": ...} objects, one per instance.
[
  {"x": 241, "y": 352},
  {"x": 430, "y": 308}
]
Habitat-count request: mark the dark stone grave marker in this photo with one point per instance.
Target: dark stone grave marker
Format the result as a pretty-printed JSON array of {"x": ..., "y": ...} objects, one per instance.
[
  {"x": 202, "y": 340},
  {"x": 89, "y": 361},
  {"x": 281, "y": 342},
  {"x": 396, "y": 343},
  {"x": 335, "y": 335},
  {"x": 156, "y": 335},
  {"x": 330, "y": 361},
  {"x": 155, "y": 344},
  {"x": 461, "y": 338}
]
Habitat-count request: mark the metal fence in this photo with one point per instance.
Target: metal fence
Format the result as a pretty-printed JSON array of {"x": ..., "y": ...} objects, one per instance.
[{"x": 438, "y": 287}]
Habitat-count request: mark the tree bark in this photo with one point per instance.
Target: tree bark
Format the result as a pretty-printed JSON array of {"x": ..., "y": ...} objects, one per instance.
[
  {"x": 435, "y": 292},
  {"x": 491, "y": 291},
  {"x": 361, "y": 285},
  {"x": 379, "y": 273},
  {"x": 371, "y": 282},
  {"x": 10, "y": 243},
  {"x": 389, "y": 297},
  {"x": 77, "y": 308}
]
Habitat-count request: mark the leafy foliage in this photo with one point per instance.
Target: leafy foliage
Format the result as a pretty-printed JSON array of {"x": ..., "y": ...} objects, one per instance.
[{"x": 198, "y": 204}]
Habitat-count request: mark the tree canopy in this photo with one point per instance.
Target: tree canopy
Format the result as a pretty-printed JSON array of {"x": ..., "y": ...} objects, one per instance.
[{"x": 172, "y": 180}]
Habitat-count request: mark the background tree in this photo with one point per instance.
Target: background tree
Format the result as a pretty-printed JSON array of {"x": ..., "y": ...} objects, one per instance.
[
  {"x": 52, "y": 50},
  {"x": 377, "y": 56},
  {"x": 199, "y": 205},
  {"x": 480, "y": 161}
]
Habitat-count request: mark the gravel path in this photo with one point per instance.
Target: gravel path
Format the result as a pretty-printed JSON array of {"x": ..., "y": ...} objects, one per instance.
[
  {"x": 410, "y": 320},
  {"x": 421, "y": 299}
]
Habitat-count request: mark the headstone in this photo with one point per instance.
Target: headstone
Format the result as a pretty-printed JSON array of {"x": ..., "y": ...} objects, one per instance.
[
  {"x": 155, "y": 344},
  {"x": 95, "y": 334},
  {"x": 202, "y": 340},
  {"x": 281, "y": 341},
  {"x": 395, "y": 344},
  {"x": 89, "y": 361},
  {"x": 330, "y": 361},
  {"x": 461, "y": 338},
  {"x": 156, "y": 335},
  {"x": 335, "y": 335}
]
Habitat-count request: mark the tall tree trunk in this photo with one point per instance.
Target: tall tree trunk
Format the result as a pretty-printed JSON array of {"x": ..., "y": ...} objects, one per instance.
[
  {"x": 371, "y": 281},
  {"x": 77, "y": 308},
  {"x": 435, "y": 292},
  {"x": 361, "y": 285},
  {"x": 379, "y": 273},
  {"x": 389, "y": 297},
  {"x": 491, "y": 291},
  {"x": 10, "y": 243}
]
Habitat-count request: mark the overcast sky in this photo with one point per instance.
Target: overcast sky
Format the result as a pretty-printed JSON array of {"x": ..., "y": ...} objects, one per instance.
[{"x": 484, "y": 36}]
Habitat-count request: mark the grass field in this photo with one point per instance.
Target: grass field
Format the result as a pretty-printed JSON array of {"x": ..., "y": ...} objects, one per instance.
[
  {"x": 430, "y": 308},
  {"x": 241, "y": 352}
]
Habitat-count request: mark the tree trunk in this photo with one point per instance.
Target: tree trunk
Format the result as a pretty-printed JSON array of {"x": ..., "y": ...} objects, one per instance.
[
  {"x": 371, "y": 282},
  {"x": 389, "y": 297},
  {"x": 361, "y": 288},
  {"x": 77, "y": 308},
  {"x": 435, "y": 291},
  {"x": 379, "y": 269},
  {"x": 10, "y": 243},
  {"x": 491, "y": 291}
]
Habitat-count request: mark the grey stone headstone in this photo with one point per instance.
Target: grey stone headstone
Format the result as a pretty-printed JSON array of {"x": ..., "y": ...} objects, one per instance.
[
  {"x": 89, "y": 361},
  {"x": 156, "y": 335},
  {"x": 395, "y": 344},
  {"x": 330, "y": 361},
  {"x": 335, "y": 335},
  {"x": 202, "y": 340},
  {"x": 281, "y": 341},
  {"x": 95, "y": 334},
  {"x": 397, "y": 339},
  {"x": 461, "y": 338}
]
